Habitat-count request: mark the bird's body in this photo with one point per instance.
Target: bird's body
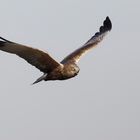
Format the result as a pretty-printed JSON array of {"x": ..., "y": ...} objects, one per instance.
[
  {"x": 52, "y": 69},
  {"x": 63, "y": 72}
]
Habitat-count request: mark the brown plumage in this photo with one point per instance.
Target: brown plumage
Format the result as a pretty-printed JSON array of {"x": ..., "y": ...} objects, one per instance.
[{"x": 52, "y": 69}]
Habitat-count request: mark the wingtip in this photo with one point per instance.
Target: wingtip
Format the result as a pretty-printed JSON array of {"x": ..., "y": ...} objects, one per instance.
[
  {"x": 5, "y": 40},
  {"x": 107, "y": 23},
  {"x": 107, "y": 26}
]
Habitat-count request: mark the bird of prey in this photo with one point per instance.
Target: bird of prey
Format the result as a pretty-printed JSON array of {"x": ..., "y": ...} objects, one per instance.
[{"x": 53, "y": 70}]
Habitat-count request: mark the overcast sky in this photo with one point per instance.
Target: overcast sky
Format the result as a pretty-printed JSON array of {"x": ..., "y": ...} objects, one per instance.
[{"x": 102, "y": 102}]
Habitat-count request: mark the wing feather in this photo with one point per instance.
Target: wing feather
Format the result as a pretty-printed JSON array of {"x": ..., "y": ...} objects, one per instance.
[
  {"x": 91, "y": 43},
  {"x": 41, "y": 60}
]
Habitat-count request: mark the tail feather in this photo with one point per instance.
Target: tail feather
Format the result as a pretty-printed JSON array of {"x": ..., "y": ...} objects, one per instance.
[{"x": 40, "y": 79}]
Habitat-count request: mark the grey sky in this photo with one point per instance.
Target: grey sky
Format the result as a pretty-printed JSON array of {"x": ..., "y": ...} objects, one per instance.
[{"x": 102, "y": 102}]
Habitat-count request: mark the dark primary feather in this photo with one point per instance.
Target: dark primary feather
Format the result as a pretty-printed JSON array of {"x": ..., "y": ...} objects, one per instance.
[{"x": 75, "y": 56}]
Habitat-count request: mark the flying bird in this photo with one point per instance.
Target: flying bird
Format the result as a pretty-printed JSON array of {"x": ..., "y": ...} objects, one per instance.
[{"x": 52, "y": 69}]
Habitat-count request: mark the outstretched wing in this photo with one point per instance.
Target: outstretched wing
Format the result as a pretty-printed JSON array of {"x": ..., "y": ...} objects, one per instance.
[
  {"x": 41, "y": 60},
  {"x": 98, "y": 37}
]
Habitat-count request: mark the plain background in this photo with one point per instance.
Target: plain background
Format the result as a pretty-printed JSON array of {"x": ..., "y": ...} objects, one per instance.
[{"x": 102, "y": 102}]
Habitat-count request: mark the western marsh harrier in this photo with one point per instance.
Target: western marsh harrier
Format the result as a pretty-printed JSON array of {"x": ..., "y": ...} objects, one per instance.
[{"x": 52, "y": 69}]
